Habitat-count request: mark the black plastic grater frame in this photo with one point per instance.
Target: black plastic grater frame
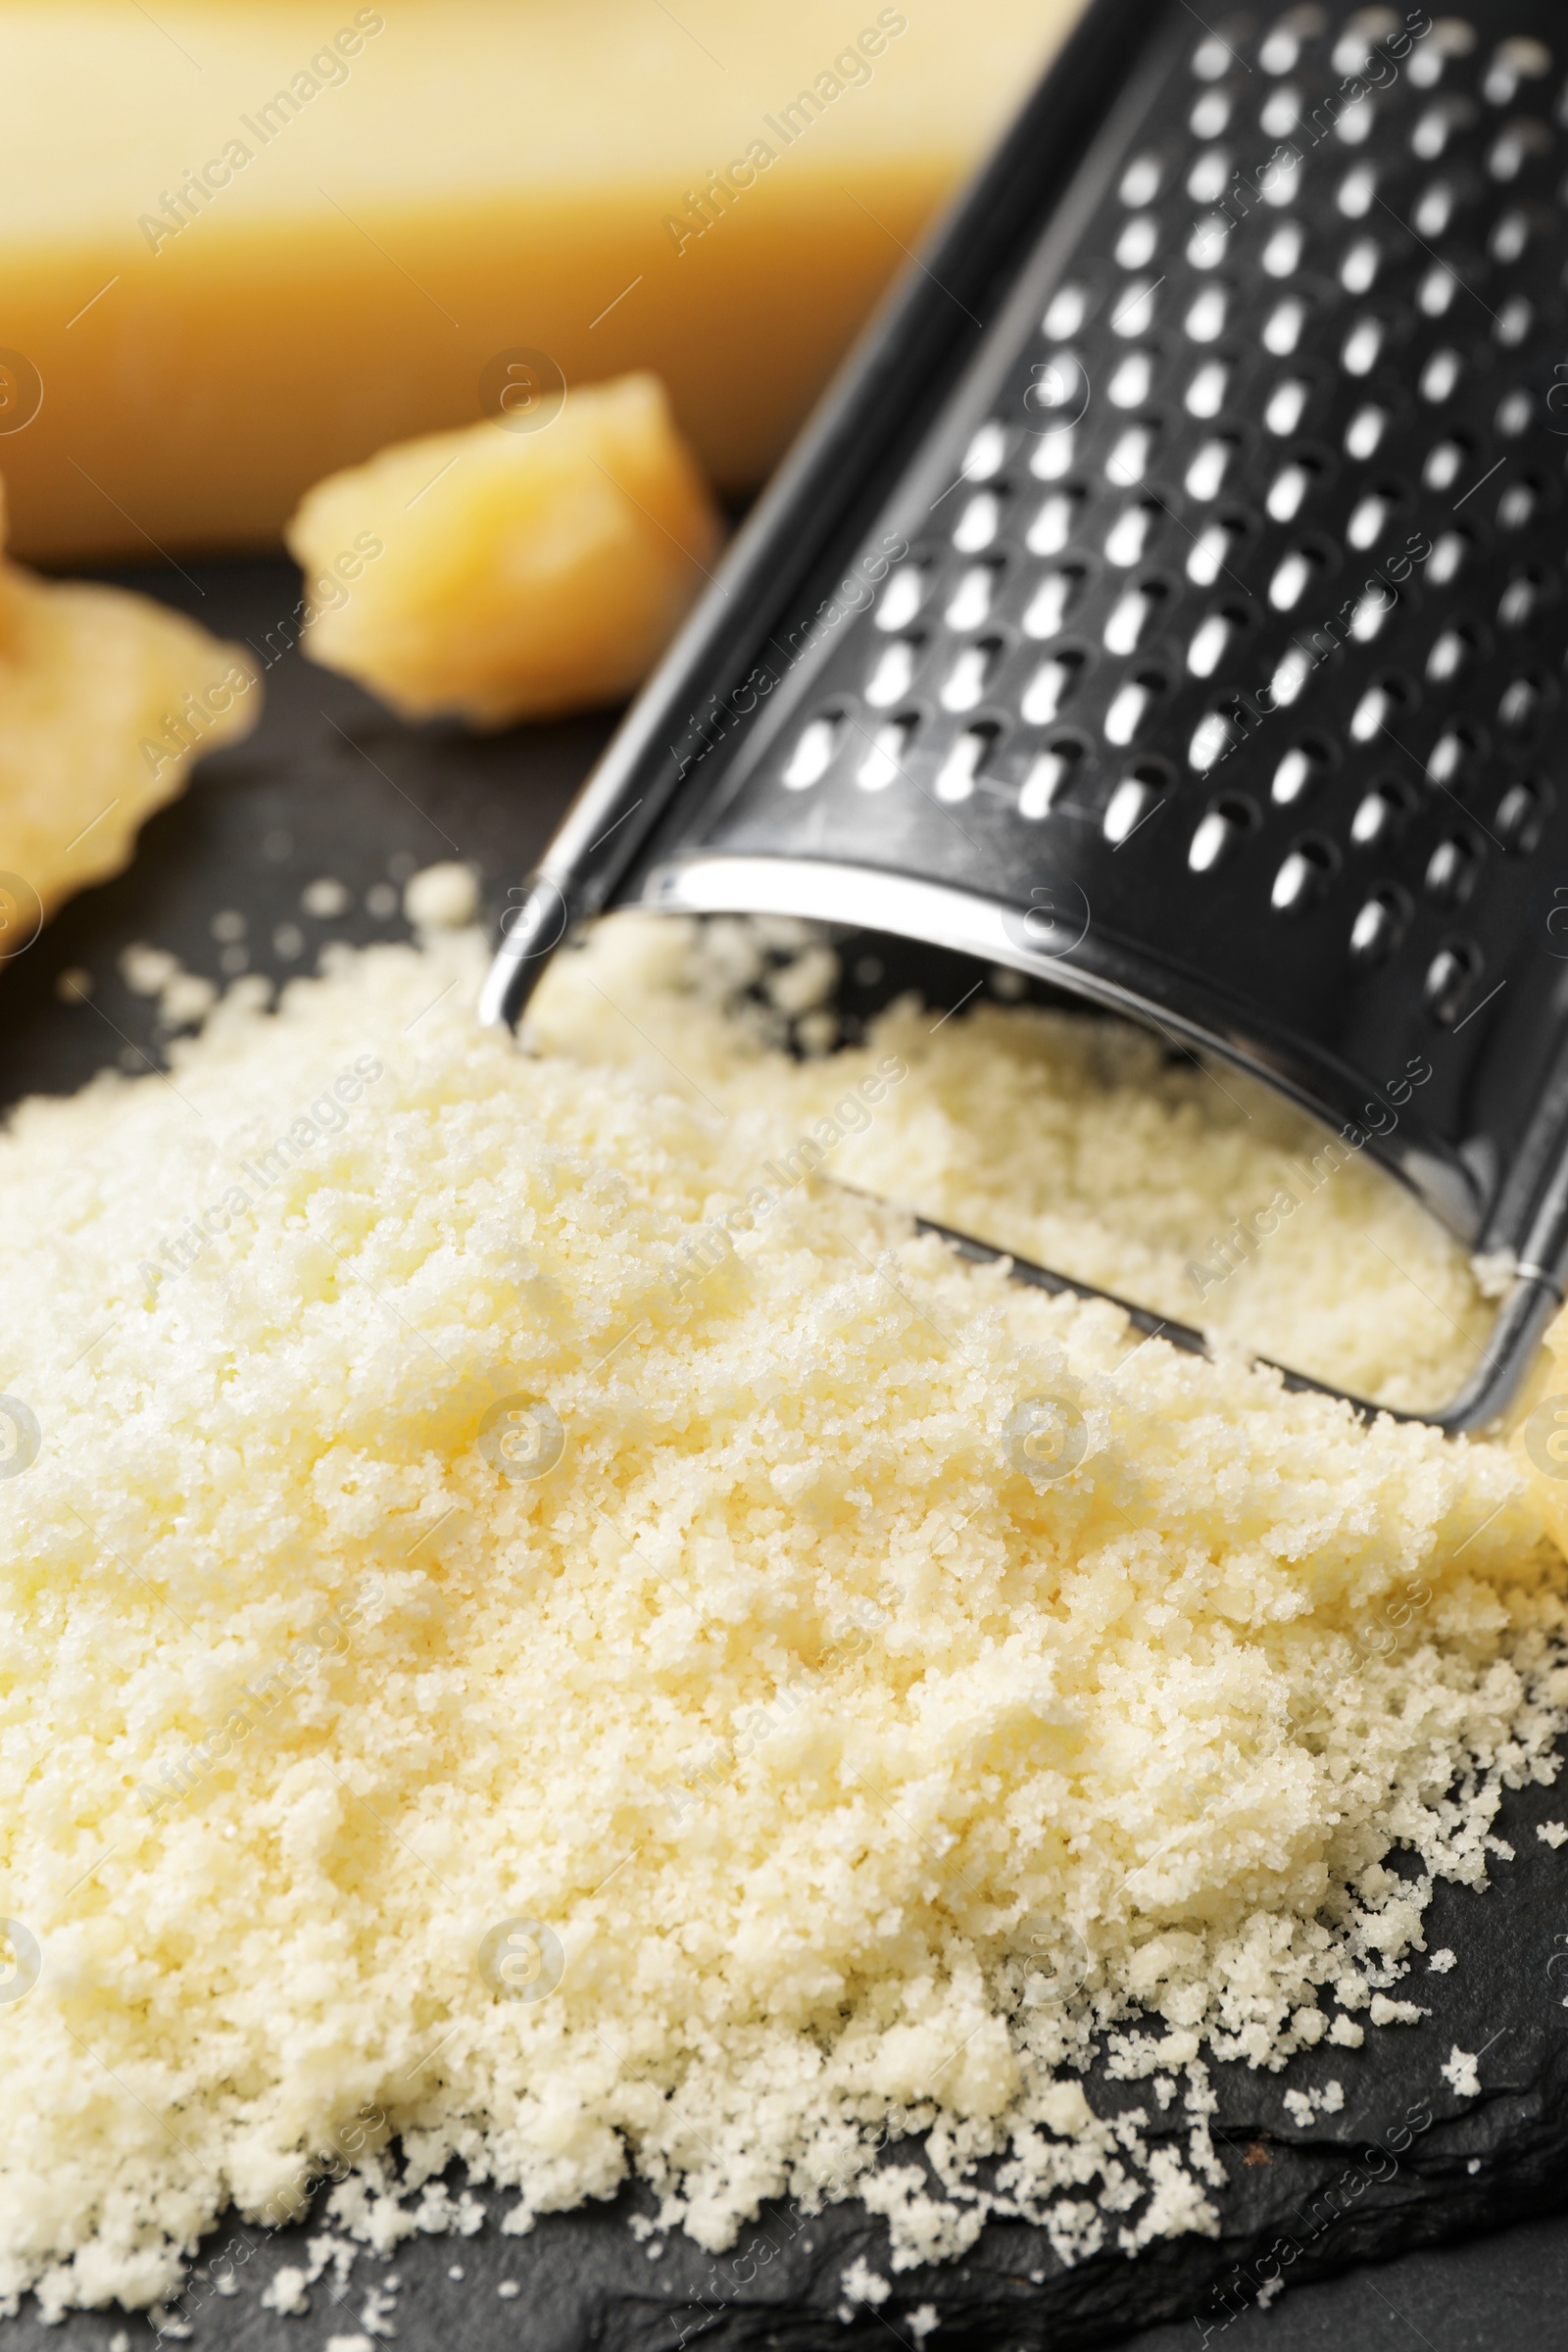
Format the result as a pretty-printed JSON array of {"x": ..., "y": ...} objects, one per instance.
[{"x": 1167, "y": 600}]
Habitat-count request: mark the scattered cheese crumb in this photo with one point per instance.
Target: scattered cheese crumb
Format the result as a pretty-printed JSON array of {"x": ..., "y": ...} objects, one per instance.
[
  {"x": 1347, "y": 2033},
  {"x": 1384, "y": 2012},
  {"x": 1458, "y": 2071},
  {"x": 862, "y": 2284},
  {"x": 324, "y": 898},
  {"x": 922, "y": 2322},
  {"x": 285, "y": 2293},
  {"x": 1552, "y": 1832},
  {"x": 145, "y": 969},
  {"x": 74, "y": 985},
  {"x": 441, "y": 897},
  {"x": 185, "y": 999},
  {"x": 508, "y": 2288},
  {"x": 349, "y": 2343},
  {"x": 1441, "y": 1961}
]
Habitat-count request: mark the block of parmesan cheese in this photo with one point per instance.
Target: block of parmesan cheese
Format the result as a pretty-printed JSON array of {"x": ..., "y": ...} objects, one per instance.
[{"x": 247, "y": 242}]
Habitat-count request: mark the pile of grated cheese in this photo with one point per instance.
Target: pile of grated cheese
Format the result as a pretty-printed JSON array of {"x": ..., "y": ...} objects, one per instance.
[{"x": 531, "y": 1619}]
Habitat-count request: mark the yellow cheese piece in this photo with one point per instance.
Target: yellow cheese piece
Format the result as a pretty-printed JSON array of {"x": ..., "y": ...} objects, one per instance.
[
  {"x": 247, "y": 244},
  {"x": 106, "y": 699},
  {"x": 526, "y": 573}
]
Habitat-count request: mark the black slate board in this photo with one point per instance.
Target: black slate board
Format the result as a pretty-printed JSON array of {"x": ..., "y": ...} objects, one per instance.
[{"x": 330, "y": 785}]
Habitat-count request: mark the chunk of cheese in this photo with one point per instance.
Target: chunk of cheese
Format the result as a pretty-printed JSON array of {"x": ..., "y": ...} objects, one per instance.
[{"x": 245, "y": 245}]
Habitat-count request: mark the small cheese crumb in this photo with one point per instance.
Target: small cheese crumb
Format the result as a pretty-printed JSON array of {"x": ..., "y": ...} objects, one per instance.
[
  {"x": 1347, "y": 2033},
  {"x": 1459, "y": 2071},
  {"x": 73, "y": 986},
  {"x": 509, "y": 2289},
  {"x": 862, "y": 2284},
  {"x": 144, "y": 969},
  {"x": 185, "y": 999},
  {"x": 441, "y": 897},
  {"x": 1552, "y": 1832},
  {"x": 285, "y": 2293},
  {"x": 922, "y": 2322},
  {"x": 349, "y": 2343},
  {"x": 1384, "y": 2012},
  {"x": 1442, "y": 1960},
  {"x": 324, "y": 898}
]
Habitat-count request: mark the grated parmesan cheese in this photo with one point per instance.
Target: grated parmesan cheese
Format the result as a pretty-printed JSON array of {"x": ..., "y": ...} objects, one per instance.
[{"x": 534, "y": 1624}]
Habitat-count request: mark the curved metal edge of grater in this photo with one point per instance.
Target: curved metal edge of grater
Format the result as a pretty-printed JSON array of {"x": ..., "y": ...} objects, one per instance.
[{"x": 692, "y": 732}]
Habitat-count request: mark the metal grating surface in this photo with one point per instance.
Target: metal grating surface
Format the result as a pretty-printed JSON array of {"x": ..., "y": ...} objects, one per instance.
[{"x": 1225, "y": 648}]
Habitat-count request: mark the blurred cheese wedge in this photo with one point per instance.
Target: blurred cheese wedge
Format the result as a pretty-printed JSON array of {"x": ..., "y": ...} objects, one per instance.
[
  {"x": 248, "y": 242},
  {"x": 106, "y": 700}
]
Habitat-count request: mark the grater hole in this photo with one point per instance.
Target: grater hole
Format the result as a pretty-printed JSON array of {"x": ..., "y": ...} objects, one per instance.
[
  {"x": 965, "y": 682},
  {"x": 1054, "y": 455},
  {"x": 1065, "y": 314},
  {"x": 1282, "y": 254},
  {"x": 893, "y": 671},
  {"x": 1281, "y": 180},
  {"x": 1136, "y": 247},
  {"x": 1448, "y": 557},
  {"x": 1290, "y": 489},
  {"x": 1207, "y": 179},
  {"x": 1295, "y": 666},
  {"x": 1293, "y": 577},
  {"x": 886, "y": 753},
  {"x": 1450, "y": 656},
  {"x": 1281, "y": 47},
  {"x": 1445, "y": 464},
  {"x": 1371, "y": 611},
  {"x": 1206, "y": 247},
  {"x": 1052, "y": 601},
  {"x": 1450, "y": 36},
  {"x": 1519, "y": 143},
  {"x": 1134, "y": 310},
  {"x": 1357, "y": 125},
  {"x": 1437, "y": 124},
  {"x": 1206, "y": 475},
  {"x": 1286, "y": 406},
  {"x": 1382, "y": 701},
  {"x": 1049, "y": 774},
  {"x": 1372, "y": 515},
  {"x": 1304, "y": 874},
  {"x": 1435, "y": 208},
  {"x": 1212, "y": 639},
  {"x": 1051, "y": 687},
  {"x": 1451, "y": 870},
  {"x": 1514, "y": 412},
  {"x": 1513, "y": 322},
  {"x": 1382, "y": 813},
  {"x": 1281, "y": 328},
  {"x": 1206, "y": 394},
  {"x": 1132, "y": 705},
  {"x": 1131, "y": 383},
  {"x": 1211, "y": 551},
  {"x": 1362, "y": 347},
  {"x": 813, "y": 752},
  {"x": 1131, "y": 616},
  {"x": 902, "y": 597},
  {"x": 1455, "y": 755},
  {"x": 1521, "y": 814},
  {"x": 1210, "y": 115},
  {"x": 1353, "y": 51},
  {"x": 1451, "y": 976},
  {"x": 1521, "y": 709},
  {"x": 1360, "y": 265},
  {"x": 1217, "y": 735},
  {"x": 1513, "y": 63},
  {"x": 1130, "y": 456},
  {"x": 1281, "y": 111},
  {"x": 1440, "y": 375},
  {"x": 1129, "y": 536},
  {"x": 1140, "y": 182},
  {"x": 1222, "y": 829},
  {"x": 1379, "y": 925},
  {"x": 978, "y": 523},
  {"x": 960, "y": 770},
  {"x": 983, "y": 459},
  {"x": 1437, "y": 291},
  {"x": 1054, "y": 525},
  {"x": 1212, "y": 57},
  {"x": 1516, "y": 507},
  {"x": 1509, "y": 237},
  {"x": 1205, "y": 318},
  {"x": 1299, "y": 772},
  {"x": 1358, "y": 193},
  {"x": 1521, "y": 601},
  {"x": 1133, "y": 799},
  {"x": 971, "y": 601},
  {"x": 1363, "y": 435}
]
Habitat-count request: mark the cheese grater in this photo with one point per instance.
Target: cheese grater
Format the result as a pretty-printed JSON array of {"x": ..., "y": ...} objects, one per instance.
[{"x": 1167, "y": 603}]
